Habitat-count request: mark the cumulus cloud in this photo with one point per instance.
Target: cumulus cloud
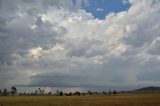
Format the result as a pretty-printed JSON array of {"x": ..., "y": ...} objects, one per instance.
[{"x": 57, "y": 43}]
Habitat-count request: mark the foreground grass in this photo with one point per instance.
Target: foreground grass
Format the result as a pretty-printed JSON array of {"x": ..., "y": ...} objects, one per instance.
[{"x": 119, "y": 100}]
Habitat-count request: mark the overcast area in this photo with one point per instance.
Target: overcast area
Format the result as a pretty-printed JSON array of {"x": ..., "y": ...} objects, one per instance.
[{"x": 58, "y": 43}]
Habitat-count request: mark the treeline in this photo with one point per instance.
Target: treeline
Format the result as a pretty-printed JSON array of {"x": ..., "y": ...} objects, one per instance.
[
  {"x": 5, "y": 92},
  {"x": 42, "y": 92}
]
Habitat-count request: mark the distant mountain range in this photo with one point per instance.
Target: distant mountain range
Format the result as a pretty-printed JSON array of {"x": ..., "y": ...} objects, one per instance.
[{"x": 148, "y": 89}]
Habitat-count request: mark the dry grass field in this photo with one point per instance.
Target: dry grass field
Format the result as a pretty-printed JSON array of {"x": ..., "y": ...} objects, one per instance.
[{"x": 119, "y": 100}]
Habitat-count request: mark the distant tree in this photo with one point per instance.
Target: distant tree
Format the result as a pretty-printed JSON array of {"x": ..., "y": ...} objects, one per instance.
[
  {"x": 14, "y": 90},
  {"x": 115, "y": 92},
  {"x": 28, "y": 94},
  {"x": 90, "y": 93},
  {"x": 77, "y": 93},
  {"x": 49, "y": 93},
  {"x": 57, "y": 92},
  {"x": 43, "y": 91},
  {"x": 0, "y": 92},
  {"x": 69, "y": 94},
  {"x": 66, "y": 94},
  {"x": 96, "y": 93},
  {"x": 5, "y": 93},
  {"x": 39, "y": 89},
  {"x": 110, "y": 92},
  {"x": 36, "y": 92},
  {"x": 104, "y": 93},
  {"x": 83, "y": 94},
  {"x": 32, "y": 93},
  {"x": 24, "y": 93},
  {"x": 61, "y": 93}
]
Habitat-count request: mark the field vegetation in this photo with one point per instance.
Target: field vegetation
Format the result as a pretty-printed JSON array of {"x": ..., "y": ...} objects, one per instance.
[{"x": 87, "y": 100}]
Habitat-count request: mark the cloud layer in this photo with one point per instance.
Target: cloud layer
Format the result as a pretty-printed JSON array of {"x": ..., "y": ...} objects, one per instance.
[{"x": 57, "y": 43}]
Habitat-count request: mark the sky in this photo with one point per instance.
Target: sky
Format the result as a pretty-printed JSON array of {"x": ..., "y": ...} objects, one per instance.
[
  {"x": 100, "y": 8},
  {"x": 80, "y": 43}
]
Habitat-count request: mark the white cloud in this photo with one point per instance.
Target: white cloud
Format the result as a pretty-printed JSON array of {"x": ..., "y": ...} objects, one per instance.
[
  {"x": 58, "y": 39},
  {"x": 100, "y": 9}
]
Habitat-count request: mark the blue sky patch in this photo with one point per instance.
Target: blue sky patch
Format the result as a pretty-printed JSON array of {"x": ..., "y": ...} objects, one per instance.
[{"x": 100, "y": 8}]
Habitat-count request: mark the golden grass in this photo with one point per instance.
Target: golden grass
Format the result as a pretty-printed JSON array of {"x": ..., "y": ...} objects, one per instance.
[{"x": 119, "y": 100}]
